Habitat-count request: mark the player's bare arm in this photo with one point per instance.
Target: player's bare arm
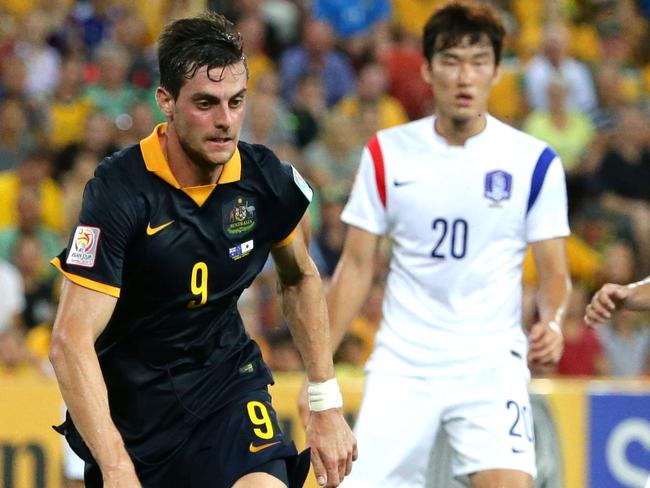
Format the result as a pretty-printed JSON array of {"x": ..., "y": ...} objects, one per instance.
[
  {"x": 82, "y": 315},
  {"x": 329, "y": 436},
  {"x": 545, "y": 336},
  {"x": 611, "y": 297},
  {"x": 351, "y": 281}
]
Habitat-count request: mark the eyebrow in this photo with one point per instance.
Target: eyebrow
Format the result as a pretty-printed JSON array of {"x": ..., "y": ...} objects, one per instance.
[
  {"x": 212, "y": 99},
  {"x": 448, "y": 54}
]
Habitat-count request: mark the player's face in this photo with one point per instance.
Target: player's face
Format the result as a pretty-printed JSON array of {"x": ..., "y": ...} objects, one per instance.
[
  {"x": 208, "y": 114},
  {"x": 461, "y": 77}
]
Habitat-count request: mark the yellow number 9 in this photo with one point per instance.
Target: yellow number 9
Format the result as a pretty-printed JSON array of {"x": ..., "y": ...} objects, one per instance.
[
  {"x": 199, "y": 284},
  {"x": 259, "y": 415}
]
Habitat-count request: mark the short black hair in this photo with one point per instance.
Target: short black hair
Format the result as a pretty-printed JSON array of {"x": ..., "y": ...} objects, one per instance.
[
  {"x": 186, "y": 45},
  {"x": 449, "y": 25}
]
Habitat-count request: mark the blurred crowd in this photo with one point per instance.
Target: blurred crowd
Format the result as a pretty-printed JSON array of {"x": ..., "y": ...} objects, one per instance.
[{"x": 77, "y": 82}]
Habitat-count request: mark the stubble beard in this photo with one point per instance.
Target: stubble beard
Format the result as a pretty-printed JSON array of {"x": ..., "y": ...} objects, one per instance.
[{"x": 198, "y": 158}]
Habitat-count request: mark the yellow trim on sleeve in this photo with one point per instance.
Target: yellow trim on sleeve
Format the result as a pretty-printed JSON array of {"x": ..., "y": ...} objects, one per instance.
[
  {"x": 85, "y": 282},
  {"x": 287, "y": 240},
  {"x": 155, "y": 162}
]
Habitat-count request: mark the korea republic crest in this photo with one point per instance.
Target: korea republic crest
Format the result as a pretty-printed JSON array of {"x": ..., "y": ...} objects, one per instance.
[
  {"x": 240, "y": 216},
  {"x": 498, "y": 186}
]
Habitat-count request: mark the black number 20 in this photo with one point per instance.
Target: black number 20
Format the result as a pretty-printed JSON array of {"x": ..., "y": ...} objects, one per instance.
[{"x": 458, "y": 231}]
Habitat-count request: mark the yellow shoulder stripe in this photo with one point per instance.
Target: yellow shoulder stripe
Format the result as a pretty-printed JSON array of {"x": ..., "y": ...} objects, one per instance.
[{"x": 85, "y": 282}]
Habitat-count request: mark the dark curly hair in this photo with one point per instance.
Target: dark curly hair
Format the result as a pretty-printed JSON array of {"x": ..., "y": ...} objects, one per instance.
[{"x": 186, "y": 45}]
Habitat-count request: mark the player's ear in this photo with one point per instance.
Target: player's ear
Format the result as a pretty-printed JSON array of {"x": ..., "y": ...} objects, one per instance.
[
  {"x": 425, "y": 71},
  {"x": 165, "y": 101}
]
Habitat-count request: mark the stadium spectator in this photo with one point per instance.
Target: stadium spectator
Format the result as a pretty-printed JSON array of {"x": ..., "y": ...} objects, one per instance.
[
  {"x": 567, "y": 131},
  {"x": 402, "y": 57},
  {"x": 13, "y": 86},
  {"x": 32, "y": 173},
  {"x": 16, "y": 140},
  {"x": 130, "y": 32},
  {"x": 252, "y": 29},
  {"x": 626, "y": 340},
  {"x": 68, "y": 108},
  {"x": 583, "y": 353},
  {"x": 113, "y": 94},
  {"x": 332, "y": 160},
  {"x": 624, "y": 179},
  {"x": 555, "y": 59},
  {"x": 73, "y": 184},
  {"x": 268, "y": 122},
  {"x": 372, "y": 90},
  {"x": 99, "y": 137},
  {"x": 42, "y": 61},
  {"x": 28, "y": 257},
  {"x": 316, "y": 55},
  {"x": 136, "y": 125},
  {"x": 279, "y": 19},
  {"x": 30, "y": 223},
  {"x": 331, "y": 234},
  {"x": 307, "y": 110}
]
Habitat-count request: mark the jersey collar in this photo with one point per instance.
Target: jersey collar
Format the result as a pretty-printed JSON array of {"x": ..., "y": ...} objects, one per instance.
[{"x": 156, "y": 163}]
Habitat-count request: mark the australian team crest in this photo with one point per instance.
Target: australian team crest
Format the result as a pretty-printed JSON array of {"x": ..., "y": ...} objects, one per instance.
[
  {"x": 240, "y": 216},
  {"x": 498, "y": 185}
]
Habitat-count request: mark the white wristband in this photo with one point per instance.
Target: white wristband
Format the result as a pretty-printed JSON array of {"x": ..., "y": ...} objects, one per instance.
[{"x": 325, "y": 395}]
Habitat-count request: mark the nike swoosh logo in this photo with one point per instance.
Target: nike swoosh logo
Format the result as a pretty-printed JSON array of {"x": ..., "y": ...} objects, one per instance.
[
  {"x": 154, "y": 230},
  {"x": 402, "y": 183},
  {"x": 253, "y": 448}
]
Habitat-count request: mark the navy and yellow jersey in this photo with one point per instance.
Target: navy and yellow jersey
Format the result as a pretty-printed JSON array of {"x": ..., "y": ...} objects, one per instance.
[{"x": 175, "y": 348}]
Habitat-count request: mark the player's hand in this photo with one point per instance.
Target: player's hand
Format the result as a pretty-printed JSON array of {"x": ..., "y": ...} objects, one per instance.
[
  {"x": 303, "y": 403},
  {"x": 333, "y": 446},
  {"x": 121, "y": 477},
  {"x": 546, "y": 345},
  {"x": 604, "y": 302}
]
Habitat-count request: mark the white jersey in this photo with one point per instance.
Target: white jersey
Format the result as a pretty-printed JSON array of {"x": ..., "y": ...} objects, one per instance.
[{"x": 460, "y": 219}]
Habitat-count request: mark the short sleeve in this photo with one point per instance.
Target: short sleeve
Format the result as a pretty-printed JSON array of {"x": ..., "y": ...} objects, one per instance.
[
  {"x": 293, "y": 197},
  {"x": 365, "y": 208},
  {"x": 97, "y": 246},
  {"x": 547, "y": 207},
  {"x": 12, "y": 301}
]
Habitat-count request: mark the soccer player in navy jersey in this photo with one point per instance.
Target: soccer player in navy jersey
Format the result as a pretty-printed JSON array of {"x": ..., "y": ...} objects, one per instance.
[{"x": 163, "y": 385}]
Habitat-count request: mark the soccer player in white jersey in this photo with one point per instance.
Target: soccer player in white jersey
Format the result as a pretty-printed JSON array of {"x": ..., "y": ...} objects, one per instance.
[
  {"x": 612, "y": 297},
  {"x": 460, "y": 195}
]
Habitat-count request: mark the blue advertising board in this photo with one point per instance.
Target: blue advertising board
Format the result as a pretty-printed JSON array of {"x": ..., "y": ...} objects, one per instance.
[{"x": 619, "y": 444}]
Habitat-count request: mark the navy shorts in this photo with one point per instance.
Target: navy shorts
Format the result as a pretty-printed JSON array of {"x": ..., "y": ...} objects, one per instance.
[{"x": 242, "y": 438}]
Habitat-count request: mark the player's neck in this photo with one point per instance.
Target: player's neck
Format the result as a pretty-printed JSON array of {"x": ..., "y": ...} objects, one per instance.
[
  {"x": 456, "y": 132},
  {"x": 186, "y": 171}
]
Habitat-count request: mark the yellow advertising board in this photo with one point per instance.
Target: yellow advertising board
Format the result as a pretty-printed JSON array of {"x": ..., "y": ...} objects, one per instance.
[
  {"x": 587, "y": 416},
  {"x": 30, "y": 450}
]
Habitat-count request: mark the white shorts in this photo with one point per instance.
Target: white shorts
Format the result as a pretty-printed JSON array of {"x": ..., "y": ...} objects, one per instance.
[{"x": 486, "y": 416}]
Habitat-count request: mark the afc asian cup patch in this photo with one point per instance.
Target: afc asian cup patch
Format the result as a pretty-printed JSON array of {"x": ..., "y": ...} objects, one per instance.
[
  {"x": 498, "y": 185},
  {"x": 83, "y": 248},
  {"x": 302, "y": 184}
]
